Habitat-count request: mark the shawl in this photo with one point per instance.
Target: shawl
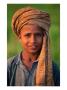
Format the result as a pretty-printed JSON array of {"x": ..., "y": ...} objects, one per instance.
[{"x": 29, "y": 15}]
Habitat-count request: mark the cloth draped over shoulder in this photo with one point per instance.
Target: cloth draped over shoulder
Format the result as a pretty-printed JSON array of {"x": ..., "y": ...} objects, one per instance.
[{"x": 29, "y": 15}]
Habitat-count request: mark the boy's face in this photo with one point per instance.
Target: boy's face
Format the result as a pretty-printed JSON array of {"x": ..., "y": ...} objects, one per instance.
[{"x": 31, "y": 38}]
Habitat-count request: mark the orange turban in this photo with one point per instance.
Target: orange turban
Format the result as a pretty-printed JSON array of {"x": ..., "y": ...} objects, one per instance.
[{"x": 30, "y": 15}]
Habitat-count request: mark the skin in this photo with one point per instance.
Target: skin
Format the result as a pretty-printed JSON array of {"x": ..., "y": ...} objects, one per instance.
[{"x": 31, "y": 38}]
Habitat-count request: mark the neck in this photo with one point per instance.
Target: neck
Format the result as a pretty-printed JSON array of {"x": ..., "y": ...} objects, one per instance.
[{"x": 29, "y": 56}]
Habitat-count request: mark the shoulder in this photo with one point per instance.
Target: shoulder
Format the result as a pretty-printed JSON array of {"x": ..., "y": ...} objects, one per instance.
[
  {"x": 11, "y": 67},
  {"x": 56, "y": 74},
  {"x": 12, "y": 61}
]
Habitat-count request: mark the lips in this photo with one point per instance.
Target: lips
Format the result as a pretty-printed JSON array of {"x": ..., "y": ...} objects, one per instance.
[{"x": 33, "y": 47}]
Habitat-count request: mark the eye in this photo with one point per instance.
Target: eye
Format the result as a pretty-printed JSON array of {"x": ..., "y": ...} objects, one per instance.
[
  {"x": 27, "y": 35},
  {"x": 39, "y": 34}
]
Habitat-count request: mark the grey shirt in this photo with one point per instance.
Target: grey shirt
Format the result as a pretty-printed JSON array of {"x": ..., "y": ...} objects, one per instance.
[{"x": 19, "y": 75}]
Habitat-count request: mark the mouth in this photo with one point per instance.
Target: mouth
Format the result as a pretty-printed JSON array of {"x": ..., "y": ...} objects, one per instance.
[{"x": 33, "y": 47}]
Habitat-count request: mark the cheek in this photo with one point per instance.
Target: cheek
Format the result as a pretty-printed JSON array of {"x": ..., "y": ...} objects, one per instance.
[
  {"x": 23, "y": 42},
  {"x": 39, "y": 43},
  {"x": 40, "y": 40}
]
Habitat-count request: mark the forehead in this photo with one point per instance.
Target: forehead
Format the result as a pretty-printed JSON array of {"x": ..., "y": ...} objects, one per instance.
[{"x": 31, "y": 29}]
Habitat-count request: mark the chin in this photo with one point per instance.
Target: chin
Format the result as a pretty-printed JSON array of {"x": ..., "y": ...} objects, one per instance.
[{"x": 34, "y": 51}]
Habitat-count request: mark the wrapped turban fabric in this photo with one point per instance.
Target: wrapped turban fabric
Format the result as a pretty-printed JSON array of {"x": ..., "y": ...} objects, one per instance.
[{"x": 28, "y": 15}]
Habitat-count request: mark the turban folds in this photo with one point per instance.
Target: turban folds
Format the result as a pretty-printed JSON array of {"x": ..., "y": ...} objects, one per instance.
[{"x": 30, "y": 16}]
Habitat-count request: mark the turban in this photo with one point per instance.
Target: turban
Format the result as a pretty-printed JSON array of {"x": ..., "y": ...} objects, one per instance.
[{"x": 28, "y": 15}]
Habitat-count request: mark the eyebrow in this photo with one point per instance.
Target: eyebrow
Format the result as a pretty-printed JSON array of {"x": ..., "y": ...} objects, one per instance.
[{"x": 33, "y": 33}]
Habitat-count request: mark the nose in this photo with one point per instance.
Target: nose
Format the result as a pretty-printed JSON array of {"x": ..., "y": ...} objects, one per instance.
[{"x": 33, "y": 39}]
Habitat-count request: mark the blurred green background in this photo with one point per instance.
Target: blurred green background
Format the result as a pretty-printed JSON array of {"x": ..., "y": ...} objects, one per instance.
[{"x": 13, "y": 47}]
